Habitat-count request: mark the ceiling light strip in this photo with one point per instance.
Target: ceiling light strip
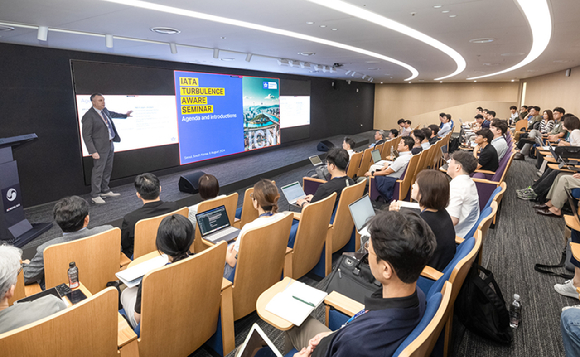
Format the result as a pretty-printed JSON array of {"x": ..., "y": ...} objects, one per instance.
[
  {"x": 537, "y": 12},
  {"x": 223, "y": 20},
  {"x": 370, "y": 16}
]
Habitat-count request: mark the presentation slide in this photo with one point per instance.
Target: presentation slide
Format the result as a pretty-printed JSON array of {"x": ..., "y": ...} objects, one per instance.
[
  {"x": 221, "y": 114},
  {"x": 294, "y": 111},
  {"x": 152, "y": 122}
]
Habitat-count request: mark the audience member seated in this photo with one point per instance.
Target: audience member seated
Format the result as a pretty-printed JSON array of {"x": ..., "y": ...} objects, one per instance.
[
  {"x": 478, "y": 124},
  {"x": 433, "y": 138},
  {"x": 405, "y": 128},
  {"x": 426, "y": 144},
  {"x": 400, "y": 246},
  {"x": 174, "y": 238},
  {"x": 499, "y": 128},
  {"x": 570, "y": 327},
  {"x": 265, "y": 201},
  {"x": 431, "y": 190},
  {"x": 24, "y": 313},
  {"x": 558, "y": 195},
  {"x": 72, "y": 216},
  {"x": 209, "y": 189},
  {"x": 558, "y": 132},
  {"x": 336, "y": 162},
  {"x": 148, "y": 190},
  {"x": 523, "y": 112},
  {"x": 348, "y": 145},
  {"x": 487, "y": 119},
  {"x": 419, "y": 137},
  {"x": 445, "y": 128},
  {"x": 396, "y": 169},
  {"x": 393, "y": 133},
  {"x": 484, "y": 151},
  {"x": 537, "y": 129},
  {"x": 464, "y": 200},
  {"x": 379, "y": 138},
  {"x": 542, "y": 186},
  {"x": 442, "y": 119},
  {"x": 568, "y": 288},
  {"x": 451, "y": 123},
  {"x": 514, "y": 116}
]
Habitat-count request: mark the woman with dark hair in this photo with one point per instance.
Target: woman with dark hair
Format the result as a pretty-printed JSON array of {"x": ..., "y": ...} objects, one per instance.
[
  {"x": 174, "y": 238},
  {"x": 209, "y": 189},
  {"x": 572, "y": 124},
  {"x": 265, "y": 200},
  {"x": 545, "y": 127},
  {"x": 431, "y": 190}
]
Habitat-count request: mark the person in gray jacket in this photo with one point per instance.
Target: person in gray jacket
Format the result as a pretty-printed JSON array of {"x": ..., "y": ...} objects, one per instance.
[{"x": 72, "y": 216}]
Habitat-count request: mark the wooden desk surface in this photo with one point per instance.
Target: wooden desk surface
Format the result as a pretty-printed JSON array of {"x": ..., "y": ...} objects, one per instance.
[
  {"x": 264, "y": 299},
  {"x": 125, "y": 333}
]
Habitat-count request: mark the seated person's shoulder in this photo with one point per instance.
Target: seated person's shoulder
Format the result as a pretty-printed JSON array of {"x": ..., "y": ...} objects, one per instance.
[{"x": 22, "y": 314}]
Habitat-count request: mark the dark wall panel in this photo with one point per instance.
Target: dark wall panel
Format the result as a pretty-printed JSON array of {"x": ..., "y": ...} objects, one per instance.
[{"x": 38, "y": 97}]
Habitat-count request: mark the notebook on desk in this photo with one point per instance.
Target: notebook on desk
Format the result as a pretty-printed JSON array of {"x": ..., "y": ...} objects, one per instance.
[
  {"x": 296, "y": 302},
  {"x": 214, "y": 225},
  {"x": 293, "y": 192}
]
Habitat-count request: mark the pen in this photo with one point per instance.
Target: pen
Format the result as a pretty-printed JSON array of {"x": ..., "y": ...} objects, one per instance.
[{"x": 306, "y": 302}]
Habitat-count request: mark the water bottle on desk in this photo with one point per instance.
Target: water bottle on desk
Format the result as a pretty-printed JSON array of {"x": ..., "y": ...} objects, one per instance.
[
  {"x": 515, "y": 312},
  {"x": 73, "y": 275}
]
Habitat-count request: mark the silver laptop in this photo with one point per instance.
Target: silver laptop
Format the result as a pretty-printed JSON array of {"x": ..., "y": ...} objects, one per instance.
[
  {"x": 293, "y": 192},
  {"x": 361, "y": 211},
  {"x": 257, "y": 343},
  {"x": 315, "y": 160},
  {"x": 214, "y": 225}
]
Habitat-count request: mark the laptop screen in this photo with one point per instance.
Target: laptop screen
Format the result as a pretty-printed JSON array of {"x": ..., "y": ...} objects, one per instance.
[
  {"x": 361, "y": 211},
  {"x": 376, "y": 156},
  {"x": 212, "y": 220},
  {"x": 293, "y": 191},
  {"x": 315, "y": 160}
]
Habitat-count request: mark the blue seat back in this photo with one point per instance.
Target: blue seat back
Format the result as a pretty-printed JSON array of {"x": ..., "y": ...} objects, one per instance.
[
  {"x": 484, "y": 213},
  {"x": 493, "y": 194}
]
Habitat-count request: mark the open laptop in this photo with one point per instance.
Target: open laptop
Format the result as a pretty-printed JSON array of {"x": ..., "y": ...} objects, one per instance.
[
  {"x": 257, "y": 344},
  {"x": 377, "y": 159},
  {"x": 361, "y": 211},
  {"x": 293, "y": 192},
  {"x": 214, "y": 225},
  {"x": 315, "y": 160}
]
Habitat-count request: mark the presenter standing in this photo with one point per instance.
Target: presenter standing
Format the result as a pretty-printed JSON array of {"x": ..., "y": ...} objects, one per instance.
[{"x": 99, "y": 134}]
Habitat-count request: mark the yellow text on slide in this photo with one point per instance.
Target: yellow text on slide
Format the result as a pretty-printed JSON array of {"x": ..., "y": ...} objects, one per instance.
[
  {"x": 202, "y": 91},
  {"x": 188, "y": 82},
  {"x": 196, "y": 109},
  {"x": 193, "y": 100}
]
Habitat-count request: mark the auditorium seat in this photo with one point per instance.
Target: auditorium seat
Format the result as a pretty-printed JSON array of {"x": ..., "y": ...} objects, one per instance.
[
  {"x": 146, "y": 232},
  {"x": 97, "y": 258}
]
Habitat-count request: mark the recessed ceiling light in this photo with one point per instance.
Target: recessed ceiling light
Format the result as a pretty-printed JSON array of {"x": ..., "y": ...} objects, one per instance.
[
  {"x": 223, "y": 37},
  {"x": 475, "y": 81},
  {"x": 513, "y": 80},
  {"x": 381, "y": 82},
  {"x": 165, "y": 30},
  {"x": 437, "y": 6},
  {"x": 440, "y": 81},
  {"x": 366, "y": 15},
  {"x": 481, "y": 40},
  {"x": 444, "y": 11},
  {"x": 537, "y": 13},
  {"x": 310, "y": 23},
  {"x": 259, "y": 27},
  {"x": 228, "y": 59},
  {"x": 334, "y": 29},
  {"x": 306, "y": 53},
  {"x": 6, "y": 28},
  {"x": 452, "y": 15},
  {"x": 322, "y": 25}
]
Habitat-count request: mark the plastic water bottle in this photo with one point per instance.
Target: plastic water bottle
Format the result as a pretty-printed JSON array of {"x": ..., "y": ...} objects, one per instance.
[
  {"x": 73, "y": 275},
  {"x": 515, "y": 312}
]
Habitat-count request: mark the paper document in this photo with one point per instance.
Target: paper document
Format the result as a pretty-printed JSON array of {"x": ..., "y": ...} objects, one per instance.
[
  {"x": 296, "y": 302},
  {"x": 132, "y": 276},
  {"x": 410, "y": 204}
]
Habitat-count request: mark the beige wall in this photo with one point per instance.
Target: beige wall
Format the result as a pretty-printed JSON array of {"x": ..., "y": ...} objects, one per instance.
[
  {"x": 553, "y": 90},
  {"x": 422, "y": 102}
]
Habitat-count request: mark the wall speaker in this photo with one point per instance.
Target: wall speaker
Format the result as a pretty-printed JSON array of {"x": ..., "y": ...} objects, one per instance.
[
  {"x": 324, "y": 145},
  {"x": 189, "y": 183}
]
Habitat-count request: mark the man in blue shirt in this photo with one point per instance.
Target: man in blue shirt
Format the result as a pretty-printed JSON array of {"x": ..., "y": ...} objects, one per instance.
[{"x": 400, "y": 246}]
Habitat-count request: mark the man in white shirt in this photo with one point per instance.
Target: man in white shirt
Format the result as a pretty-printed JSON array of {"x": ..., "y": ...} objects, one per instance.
[
  {"x": 464, "y": 200},
  {"x": 499, "y": 127},
  {"x": 396, "y": 168},
  {"x": 446, "y": 128},
  {"x": 405, "y": 128}
]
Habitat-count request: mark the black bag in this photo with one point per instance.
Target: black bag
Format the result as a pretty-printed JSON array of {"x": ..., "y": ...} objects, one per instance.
[
  {"x": 453, "y": 145},
  {"x": 352, "y": 277},
  {"x": 481, "y": 308},
  {"x": 564, "y": 262}
]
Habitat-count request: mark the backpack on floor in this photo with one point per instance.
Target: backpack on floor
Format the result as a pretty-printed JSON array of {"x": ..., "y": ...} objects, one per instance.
[{"x": 481, "y": 308}]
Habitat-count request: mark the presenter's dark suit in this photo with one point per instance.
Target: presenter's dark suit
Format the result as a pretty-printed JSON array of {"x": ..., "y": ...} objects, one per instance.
[{"x": 96, "y": 138}]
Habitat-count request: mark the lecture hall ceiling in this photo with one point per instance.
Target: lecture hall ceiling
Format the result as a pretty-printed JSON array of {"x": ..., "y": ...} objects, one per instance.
[{"x": 278, "y": 33}]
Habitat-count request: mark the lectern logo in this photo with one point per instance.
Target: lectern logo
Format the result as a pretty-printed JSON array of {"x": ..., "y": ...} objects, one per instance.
[{"x": 11, "y": 194}]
